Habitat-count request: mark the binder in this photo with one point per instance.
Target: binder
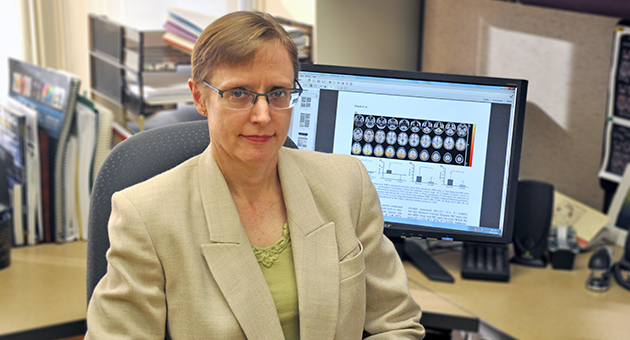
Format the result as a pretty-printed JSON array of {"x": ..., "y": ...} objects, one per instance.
[
  {"x": 53, "y": 94},
  {"x": 181, "y": 43},
  {"x": 46, "y": 185},
  {"x": 17, "y": 198},
  {"x": 86, "y": 135},
  {"x": 104, "y": 135},
  {"x": 183, "y": 27},
  {"x": 174, "y": 28},
  {"x": 70, "y": 219},
  {"x": 32, "y": 179},
  {"x": 192, "y": 21},
  {"x": 13, "y": 144}
]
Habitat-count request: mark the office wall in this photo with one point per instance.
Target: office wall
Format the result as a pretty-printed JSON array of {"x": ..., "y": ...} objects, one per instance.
[
  {"x": 566, "y": 58},
  {"x": 301, "y": 11},
  {"x": 367, "y": 33}
]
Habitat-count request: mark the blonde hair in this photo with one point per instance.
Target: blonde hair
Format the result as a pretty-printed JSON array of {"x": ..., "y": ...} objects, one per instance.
[{"x": 234, "y": 39}]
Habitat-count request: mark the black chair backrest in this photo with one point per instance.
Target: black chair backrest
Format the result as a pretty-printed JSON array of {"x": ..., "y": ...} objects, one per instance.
[{"x": 132, "y": 161}]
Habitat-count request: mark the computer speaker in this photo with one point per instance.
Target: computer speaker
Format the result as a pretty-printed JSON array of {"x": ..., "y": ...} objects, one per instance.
[{"x": 532, "y": 221}]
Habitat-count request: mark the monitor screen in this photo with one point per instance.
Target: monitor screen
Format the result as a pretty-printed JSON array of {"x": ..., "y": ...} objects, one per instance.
[{"x": 442, "y": 150}]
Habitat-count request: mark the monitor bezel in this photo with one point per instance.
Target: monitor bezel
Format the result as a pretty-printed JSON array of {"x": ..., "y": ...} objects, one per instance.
[{"x": 412, "y": 231}]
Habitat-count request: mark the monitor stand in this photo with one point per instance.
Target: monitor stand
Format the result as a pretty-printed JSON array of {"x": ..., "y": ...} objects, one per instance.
[{"x": 412, "y": 250}]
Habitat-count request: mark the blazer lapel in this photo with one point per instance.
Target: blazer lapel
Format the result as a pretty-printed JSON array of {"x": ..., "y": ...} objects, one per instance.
[
  {"x": 230, "y": 258},
  {"x": 315, "y": 253}
]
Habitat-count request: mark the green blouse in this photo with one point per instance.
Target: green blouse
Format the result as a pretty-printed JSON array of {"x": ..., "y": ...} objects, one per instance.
[{"x": 276, "y": 263}]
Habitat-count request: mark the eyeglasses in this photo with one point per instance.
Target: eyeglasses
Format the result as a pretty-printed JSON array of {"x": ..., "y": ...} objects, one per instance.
[{"x": 237, "y": 99}]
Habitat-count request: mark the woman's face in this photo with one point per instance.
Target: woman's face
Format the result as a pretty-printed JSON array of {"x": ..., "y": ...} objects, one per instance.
[{"x": 251, "y": 136}]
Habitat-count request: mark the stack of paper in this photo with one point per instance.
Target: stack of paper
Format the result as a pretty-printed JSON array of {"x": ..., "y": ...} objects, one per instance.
[
  {"x": 164, "y": 87},
  {"x": 183, "y": 27}
]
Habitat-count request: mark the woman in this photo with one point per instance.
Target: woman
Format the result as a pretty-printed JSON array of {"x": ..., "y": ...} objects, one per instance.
[{"x": 249, "y": 239}]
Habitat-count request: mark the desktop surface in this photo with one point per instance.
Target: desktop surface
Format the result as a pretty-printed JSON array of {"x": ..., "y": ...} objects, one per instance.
[
  {"x": 537, "y": 303},
  {"x": 44, "y": 286}
]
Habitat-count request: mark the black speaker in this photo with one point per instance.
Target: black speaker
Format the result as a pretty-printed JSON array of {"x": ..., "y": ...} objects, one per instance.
[{"x": 532, "y": 221}]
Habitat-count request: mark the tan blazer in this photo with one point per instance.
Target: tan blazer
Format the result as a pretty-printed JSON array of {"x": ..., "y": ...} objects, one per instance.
[{"x": 180, "y": 265}]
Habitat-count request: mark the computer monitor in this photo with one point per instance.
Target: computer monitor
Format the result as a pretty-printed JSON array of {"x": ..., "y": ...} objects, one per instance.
[{"x": 442, "y": 150}]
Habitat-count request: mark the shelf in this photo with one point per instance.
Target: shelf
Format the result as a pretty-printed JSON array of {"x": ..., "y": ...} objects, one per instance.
[
  {"x": 135, "y": 70},
  {"x": 139, "y": 74}
]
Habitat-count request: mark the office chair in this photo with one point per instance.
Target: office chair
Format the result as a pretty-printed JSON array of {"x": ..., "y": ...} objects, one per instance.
[{"x": 134, "y": 160}]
